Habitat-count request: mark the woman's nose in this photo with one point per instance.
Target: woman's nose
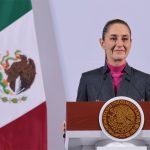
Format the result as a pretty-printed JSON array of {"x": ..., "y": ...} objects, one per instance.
[{"x": 119, "y": 42}]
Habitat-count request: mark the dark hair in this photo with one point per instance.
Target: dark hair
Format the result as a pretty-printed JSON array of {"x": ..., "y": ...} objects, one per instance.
[{"x": 111, "y": 22}]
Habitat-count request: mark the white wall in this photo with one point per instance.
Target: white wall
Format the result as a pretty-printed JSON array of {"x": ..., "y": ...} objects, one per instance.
[
  {"x": 51, "y": 70},
  {"x": 78, "y": 26},
  {"x": 68, "y": 32}
]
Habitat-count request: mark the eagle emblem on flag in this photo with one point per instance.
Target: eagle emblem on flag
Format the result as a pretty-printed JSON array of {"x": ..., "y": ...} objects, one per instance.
[{"x": 17, "y": 73}]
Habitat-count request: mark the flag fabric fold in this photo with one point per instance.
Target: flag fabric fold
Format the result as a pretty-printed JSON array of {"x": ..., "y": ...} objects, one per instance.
[{"x": 23, "y": 119}]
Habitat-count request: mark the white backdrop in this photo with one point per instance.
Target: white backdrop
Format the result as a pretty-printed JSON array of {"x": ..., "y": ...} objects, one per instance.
[
  {"x": 68, "y": 32},
  {"x": 78, "y": 26}
]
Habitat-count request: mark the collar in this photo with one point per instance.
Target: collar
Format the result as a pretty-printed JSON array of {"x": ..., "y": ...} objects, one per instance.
[
  {"x": 116, "y": 69},
  {"x": 127, "y": 69}
]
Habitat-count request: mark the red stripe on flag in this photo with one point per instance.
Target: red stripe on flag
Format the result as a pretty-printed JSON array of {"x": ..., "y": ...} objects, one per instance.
[{"x": 28, "y": 132}]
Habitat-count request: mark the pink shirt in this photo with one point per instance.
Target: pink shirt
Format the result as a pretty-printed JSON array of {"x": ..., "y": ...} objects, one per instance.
[{"x": 116, "y": 73}]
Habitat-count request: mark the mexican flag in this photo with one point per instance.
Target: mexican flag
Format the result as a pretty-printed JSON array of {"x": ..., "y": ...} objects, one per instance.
[{"x": 23, "y": 124}]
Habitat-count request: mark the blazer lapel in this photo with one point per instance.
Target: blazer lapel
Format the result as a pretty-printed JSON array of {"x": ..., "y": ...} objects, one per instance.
[
  {"x": 124, "y": 86},
  {"x": 125, "y": 83},
  {"x": 107, "y": 90}
]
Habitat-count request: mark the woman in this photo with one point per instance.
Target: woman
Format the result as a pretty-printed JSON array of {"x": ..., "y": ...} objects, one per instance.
[{"x": 116, "y": 77}]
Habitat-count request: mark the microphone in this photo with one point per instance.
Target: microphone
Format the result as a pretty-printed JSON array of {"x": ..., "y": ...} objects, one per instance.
[
  {"x": 127, "y": 78},
  {"x": 104, "y": 77}
]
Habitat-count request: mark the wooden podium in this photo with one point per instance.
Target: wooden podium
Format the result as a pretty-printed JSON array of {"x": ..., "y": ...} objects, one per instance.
[{"x": 82, "y": 126}]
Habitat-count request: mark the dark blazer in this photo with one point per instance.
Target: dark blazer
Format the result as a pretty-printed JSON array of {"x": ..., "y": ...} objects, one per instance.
[{"x": 97, "y": 85}]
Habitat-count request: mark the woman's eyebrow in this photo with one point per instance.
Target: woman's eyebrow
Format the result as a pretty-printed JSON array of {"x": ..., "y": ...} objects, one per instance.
[
  {"x": 125, "y": 35},
  {"x": 113, "y": 35}
]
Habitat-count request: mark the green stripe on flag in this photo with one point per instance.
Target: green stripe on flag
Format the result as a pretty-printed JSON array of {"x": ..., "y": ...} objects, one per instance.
[{"x": 11, "y": 10}]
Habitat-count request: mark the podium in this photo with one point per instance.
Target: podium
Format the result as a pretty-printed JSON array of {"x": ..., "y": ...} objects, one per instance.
[{"x": 83, "y": 131}]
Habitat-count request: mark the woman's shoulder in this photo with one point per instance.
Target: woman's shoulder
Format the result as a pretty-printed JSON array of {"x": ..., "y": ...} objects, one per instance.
[{"x": 97, "y": 71}]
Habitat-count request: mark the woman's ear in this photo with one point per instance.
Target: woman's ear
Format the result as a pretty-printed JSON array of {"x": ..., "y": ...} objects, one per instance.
[{"x": 101, "y": 41}]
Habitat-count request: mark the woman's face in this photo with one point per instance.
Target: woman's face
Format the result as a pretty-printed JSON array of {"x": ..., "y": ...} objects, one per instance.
[{"x": 117, "y": 44}]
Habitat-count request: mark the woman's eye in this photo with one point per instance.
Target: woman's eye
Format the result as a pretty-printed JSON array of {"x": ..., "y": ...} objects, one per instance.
[
  {"x": 113, "y": 38},
  {"x": 125, "y": 39}
]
